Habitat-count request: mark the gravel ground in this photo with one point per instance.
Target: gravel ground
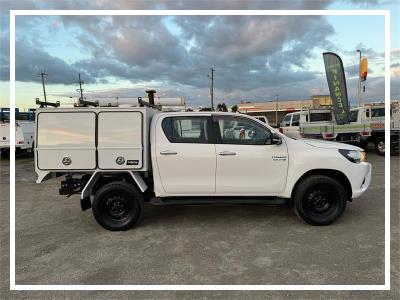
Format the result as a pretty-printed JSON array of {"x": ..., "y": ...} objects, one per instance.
[{"x": 56, "y": 243}]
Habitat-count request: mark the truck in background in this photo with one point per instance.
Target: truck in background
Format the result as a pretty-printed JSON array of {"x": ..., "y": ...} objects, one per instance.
[
  {"x": 374, "y": 114},
  {"x": 24, "y": 131},
  {"x": 320, "y": 123}
]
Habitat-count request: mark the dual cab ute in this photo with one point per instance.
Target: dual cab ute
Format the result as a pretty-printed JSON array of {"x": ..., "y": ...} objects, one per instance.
[{"x": 119, "y": 158}]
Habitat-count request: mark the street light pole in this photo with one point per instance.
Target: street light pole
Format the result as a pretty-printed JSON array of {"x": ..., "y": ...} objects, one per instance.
[{"x": 359, "y": 78}]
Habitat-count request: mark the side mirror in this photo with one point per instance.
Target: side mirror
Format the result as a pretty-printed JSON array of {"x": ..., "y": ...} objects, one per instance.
[{"x": 276, "y": 139}]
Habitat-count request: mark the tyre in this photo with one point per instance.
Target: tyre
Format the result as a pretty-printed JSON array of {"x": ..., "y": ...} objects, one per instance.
[
  {"x": 5, "y": 153},
  {"x": 117, "y": 206},
  {"x": 319, "y": 200},
  {"x": 363, "y": 144},
  {"x": 380, "y": 146}
]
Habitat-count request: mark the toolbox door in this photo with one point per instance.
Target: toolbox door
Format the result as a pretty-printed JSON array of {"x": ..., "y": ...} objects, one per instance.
[
  {"x": 66, "y": 141},
  {"x": 120, "y": 140}
]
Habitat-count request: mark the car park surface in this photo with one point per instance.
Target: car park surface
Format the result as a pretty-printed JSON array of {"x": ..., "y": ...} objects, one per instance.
[{"x": 56, "y": 243}]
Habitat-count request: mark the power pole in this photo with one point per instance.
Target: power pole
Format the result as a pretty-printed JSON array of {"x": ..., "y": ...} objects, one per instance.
[
  {"x": 276, "y": 109},
  {"x": 43, "y": 75},
  {"x": 80, "y": 90},
  {"x": 359, "y": 78},
  {"x": 212, "y": 88}
]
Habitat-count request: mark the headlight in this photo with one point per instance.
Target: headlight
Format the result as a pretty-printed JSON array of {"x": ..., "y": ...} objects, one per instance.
[{"x": 353, "y": 155}]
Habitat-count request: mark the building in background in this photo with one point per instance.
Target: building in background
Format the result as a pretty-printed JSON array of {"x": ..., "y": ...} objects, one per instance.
[{"x": 274, "y": 110}]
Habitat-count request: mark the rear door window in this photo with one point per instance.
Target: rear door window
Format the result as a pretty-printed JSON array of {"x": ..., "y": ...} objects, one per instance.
[
  {"x": 378, "y": 112},
  {"x": 186, "y": 129}
]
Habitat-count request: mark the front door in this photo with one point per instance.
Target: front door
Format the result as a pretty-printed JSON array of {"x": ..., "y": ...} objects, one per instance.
[
  {"x": 186, "y": 156},
  {"x": 247, "y": 162}
]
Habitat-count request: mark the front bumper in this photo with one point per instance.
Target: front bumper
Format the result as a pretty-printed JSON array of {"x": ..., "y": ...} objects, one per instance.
[{"x": 360, "y": 184}]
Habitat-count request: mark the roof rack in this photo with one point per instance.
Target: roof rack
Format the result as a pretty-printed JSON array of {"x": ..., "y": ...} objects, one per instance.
[{"x": 45, "y": 104}]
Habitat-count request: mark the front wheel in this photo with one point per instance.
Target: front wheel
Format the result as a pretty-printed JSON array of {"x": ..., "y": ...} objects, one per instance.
[
  {"x": 117, "y": 206},
  {"x": 380, "y": 146},
  {"x": 319, "y": 200}
]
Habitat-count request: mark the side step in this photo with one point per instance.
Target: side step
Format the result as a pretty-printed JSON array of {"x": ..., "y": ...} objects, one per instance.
[{"x": 217, "y": 200}]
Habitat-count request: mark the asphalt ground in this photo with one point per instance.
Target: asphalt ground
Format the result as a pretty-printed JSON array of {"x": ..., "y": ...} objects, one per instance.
[{"x": 57, "y": 243}]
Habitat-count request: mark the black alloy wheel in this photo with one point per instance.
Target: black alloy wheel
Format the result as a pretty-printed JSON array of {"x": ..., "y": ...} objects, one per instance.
[
  {"x": 319, "y": 200},
  {"x": 117, "y": 206}
]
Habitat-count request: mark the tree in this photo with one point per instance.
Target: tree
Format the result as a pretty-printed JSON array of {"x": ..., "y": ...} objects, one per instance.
[
  {"x": 222, "y": 107},
  {"x": 234, "y": 108}
]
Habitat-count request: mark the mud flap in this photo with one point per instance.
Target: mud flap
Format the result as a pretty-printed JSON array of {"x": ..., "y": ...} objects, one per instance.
[{"x": 85, "y": 203}]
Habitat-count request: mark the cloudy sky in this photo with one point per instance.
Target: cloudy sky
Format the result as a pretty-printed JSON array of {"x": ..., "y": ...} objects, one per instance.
[{"x": 255, "y": 57}]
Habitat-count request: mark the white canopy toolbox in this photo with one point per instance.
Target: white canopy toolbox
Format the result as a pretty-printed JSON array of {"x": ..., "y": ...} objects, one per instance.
[{"x": 90, "y": 139}]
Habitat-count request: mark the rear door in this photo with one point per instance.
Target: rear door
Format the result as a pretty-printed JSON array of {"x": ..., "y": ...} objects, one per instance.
[
  {"x": 66, "y": 140},
  {"x": 120, "y": 140},
  {"x": 185, "y": 155}
]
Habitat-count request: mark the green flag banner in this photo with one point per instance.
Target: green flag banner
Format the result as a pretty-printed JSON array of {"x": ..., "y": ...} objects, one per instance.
[{"x": 337, "y": 86}]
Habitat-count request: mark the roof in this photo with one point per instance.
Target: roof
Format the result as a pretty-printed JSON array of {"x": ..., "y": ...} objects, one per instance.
[{"x": 286, "y": 105}]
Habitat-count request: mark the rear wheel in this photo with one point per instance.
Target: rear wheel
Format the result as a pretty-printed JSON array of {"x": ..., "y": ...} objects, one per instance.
[
  {"x": 380, "y": 146},
  {"x": 319, "y": 200},
  {"x": 117, "y": 206}
]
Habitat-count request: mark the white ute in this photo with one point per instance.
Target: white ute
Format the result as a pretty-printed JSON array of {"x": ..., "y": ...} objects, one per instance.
[{"x": 119, "y": 158}]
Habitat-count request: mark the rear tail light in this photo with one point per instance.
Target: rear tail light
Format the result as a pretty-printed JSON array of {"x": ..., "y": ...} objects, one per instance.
[
  {"x": 329, "y": 136},
  {"x": 280, "y": 129},
  {"x": 20, "y": 142},
  {"x": 365, "y": 133}
]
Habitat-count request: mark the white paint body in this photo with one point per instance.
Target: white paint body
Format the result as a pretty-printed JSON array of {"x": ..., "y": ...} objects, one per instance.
[
  {"x": 20, "y": 141},
  {"x": 28, "y": 131},
  {"x": 262, "y": 119},
  {"x": 291, "y": 128},
  {"x": 100, "y": 135}
]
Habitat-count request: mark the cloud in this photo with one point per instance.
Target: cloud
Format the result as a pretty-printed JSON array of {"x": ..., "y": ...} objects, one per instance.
[
  {"x": 30, "y": 61},
  {"x": 246, "y": 51},
  {"x": 253, "y": 55}
]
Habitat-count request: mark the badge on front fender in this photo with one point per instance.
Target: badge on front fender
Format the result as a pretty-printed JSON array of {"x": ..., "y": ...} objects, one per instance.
[{"x": 279, "y": 157}]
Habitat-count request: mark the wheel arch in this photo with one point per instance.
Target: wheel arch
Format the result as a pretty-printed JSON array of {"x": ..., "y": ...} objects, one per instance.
[
  {"x": 334, "y": 174},
  {"x": 95, "y": 183}
]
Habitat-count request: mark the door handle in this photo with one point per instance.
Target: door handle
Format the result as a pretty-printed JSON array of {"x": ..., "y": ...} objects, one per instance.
[
  {"x": 227, "y": 153},
  {"x": 168, "y": 152}
]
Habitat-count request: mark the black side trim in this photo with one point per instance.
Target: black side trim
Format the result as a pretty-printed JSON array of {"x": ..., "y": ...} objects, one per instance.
[{"x": 217, "y": 200}]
